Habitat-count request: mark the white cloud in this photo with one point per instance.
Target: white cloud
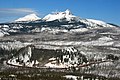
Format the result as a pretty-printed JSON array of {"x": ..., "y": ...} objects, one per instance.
[
  {"x": 17, "y": 11},
  {"x": 10, "y": 14}
]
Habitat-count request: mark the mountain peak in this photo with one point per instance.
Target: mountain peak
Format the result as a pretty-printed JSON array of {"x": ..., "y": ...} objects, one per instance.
[
  {"x": 30, "y": 17},
  {"x": 66, "y": 16},
  {"x": 59, "y": 16},
  {"x": 68, "y": 12}
]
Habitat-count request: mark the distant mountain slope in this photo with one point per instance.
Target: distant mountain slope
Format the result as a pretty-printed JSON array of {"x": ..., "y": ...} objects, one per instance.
[
  {"x": 55, "y": 22},
  {"x": 30, "y": 17},
  {"x": 68, "y": 16}
]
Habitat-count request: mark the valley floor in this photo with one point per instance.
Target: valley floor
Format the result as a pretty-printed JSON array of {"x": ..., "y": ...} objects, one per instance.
[{"x": 46, "y": 74}]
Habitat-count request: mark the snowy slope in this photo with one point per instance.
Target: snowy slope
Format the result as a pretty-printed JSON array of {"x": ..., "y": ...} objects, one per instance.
[
  {"x": 70, "y": 58},
  {"x": 100, "y": 22},
  {"x": 96, "y": 21},
  {"x": 23, "y": 59},
  {"x": 30, "y": 17},
  {"x": 2, "y": 33},
  {"x": 3, "y": 30},
  {"x": 91, "y": 23}
]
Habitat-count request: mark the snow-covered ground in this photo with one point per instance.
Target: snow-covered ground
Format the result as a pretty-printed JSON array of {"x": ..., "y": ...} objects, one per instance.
[
  {"x": 103, "y": 41},
  {"x": 23, "y": 59},
  {"x": 71, "y": 77},
  {"x": 90, "y": 39},
  {"x": 13, "y": 45},
  {"x": 3, "y": 30}
]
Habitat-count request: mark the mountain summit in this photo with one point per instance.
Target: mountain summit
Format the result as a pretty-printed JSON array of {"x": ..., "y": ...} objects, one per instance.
[
  {"x": 70, "y": 18},
  {"x": 59, "y": 16},
  {"x": 30, "y": 17}
]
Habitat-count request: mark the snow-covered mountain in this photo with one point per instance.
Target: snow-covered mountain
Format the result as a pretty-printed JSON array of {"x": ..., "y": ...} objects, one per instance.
[
  {"x": 61, "y": 40},
  {"x": 30, "y": 17},
  {"x": 67, "y": 15},
  {"x": 54, "y": 23}
]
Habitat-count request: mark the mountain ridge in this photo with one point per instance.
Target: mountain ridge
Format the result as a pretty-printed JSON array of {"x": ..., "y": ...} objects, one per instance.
[
  {"x": 70, "y": 18},
  {"x": 56, "y": 21}
]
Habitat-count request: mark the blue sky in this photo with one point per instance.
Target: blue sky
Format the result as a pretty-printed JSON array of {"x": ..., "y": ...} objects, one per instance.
[{"x": 106, "y": 10}]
